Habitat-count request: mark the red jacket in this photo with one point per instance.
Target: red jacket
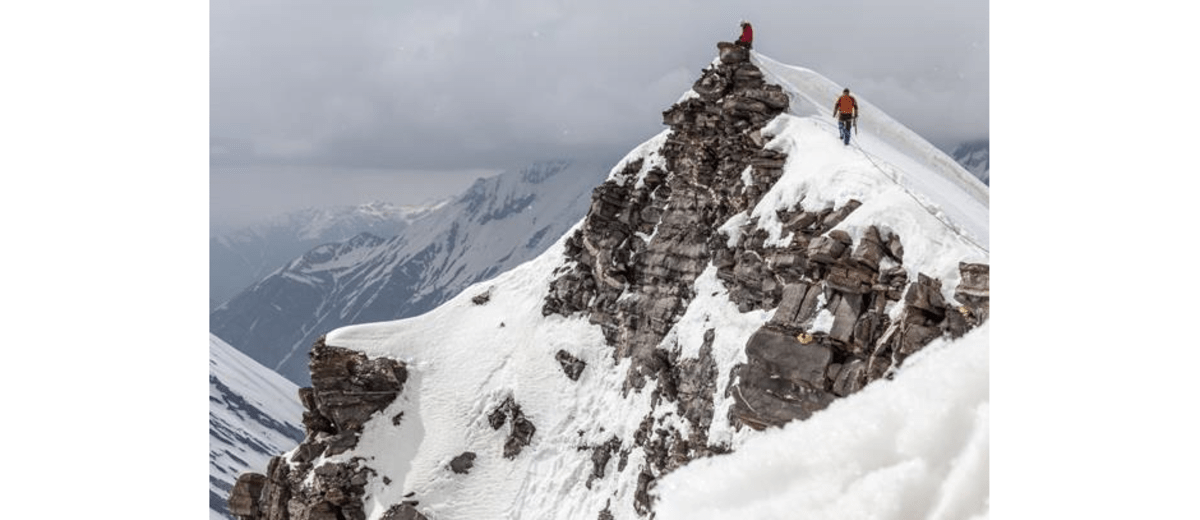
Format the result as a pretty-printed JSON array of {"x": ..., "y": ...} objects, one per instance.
[{"x": 747, "y": 34}]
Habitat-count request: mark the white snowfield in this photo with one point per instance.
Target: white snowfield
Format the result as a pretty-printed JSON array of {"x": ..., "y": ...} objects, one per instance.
[{"x": 915, "y": 447}]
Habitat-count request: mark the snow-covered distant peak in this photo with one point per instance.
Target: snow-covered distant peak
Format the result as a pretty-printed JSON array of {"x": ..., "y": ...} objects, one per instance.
[{"x": 319, "y": 222}]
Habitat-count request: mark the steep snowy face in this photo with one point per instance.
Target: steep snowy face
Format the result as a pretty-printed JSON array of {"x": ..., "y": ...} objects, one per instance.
[
  {"x": 253, "y": 414},
  {"x": 739, "y": 272},
  {"x": 239, "y": 258},
  {"x": 495, "y": 225}
]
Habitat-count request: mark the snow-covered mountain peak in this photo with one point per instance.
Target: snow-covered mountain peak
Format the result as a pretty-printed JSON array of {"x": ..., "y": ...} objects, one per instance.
[
  {"x": 741, "y": 271},
  {"x": 244, "y": 256},
  {"x": 318, "y": 222}
]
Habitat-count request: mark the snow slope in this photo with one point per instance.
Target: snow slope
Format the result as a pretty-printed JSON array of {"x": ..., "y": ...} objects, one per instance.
[
  {"x": 464, "y": 358},
  {"x": 253, "y": 414}
]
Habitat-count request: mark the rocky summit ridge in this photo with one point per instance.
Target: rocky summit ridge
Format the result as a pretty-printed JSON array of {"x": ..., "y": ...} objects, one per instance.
[{"x": 838, "y": 311}]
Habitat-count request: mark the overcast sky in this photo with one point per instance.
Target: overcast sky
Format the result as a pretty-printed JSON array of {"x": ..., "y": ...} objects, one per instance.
[{"x": 335, "y": 102}]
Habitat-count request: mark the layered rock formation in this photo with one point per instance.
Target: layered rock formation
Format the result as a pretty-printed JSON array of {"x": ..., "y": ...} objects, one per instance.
[
  {"x": 348, "y": 388},
  {"x": 650, "y": 233}
]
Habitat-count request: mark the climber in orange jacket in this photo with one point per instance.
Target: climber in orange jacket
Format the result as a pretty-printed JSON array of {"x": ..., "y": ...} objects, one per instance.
[
  {"x": 846, "y": 110},
  {"x": 747, "y": 37}
]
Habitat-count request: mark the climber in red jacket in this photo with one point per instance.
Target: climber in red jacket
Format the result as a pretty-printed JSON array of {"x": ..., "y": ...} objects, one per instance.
[{"x": 747, "y": 37}]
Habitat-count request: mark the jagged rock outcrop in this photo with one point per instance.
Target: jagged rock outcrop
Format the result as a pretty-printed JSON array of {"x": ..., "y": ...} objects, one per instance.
[
  {"x": 647, "y": 239},
  {"x": 521, "y": 429},
  {"x": 600, "y": 456},
  {"x": 571, "y": 365},
  {"x": 634, "y": 241},
  {"x": 348, "y": 389},
  {"x": 243, "y": 500},
  {"x": 463, "y": 463},
  {"x": 834, "y": 315}
]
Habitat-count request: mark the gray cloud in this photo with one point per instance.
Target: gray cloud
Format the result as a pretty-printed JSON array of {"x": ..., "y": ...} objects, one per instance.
[{"x": 455, "y": 85}]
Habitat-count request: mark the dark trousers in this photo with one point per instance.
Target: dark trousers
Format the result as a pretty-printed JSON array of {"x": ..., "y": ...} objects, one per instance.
[{"x": 845, "y": 122}]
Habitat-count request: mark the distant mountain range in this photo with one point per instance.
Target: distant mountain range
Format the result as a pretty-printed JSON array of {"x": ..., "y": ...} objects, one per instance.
[
  {"x": 497, "y": 224},
  {"x": 241, "y": 257}
]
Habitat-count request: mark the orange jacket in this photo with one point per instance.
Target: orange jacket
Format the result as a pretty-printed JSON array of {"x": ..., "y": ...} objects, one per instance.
[{"x": 846, "y": 105}]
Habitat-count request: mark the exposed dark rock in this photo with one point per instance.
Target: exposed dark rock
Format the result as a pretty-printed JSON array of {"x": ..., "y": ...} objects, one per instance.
[
  {"x": 715, "y": 138},
  {"x": 341, "y": 442},
  {"x": 463, "y": 463},
  {"x": 783, "y": 380},
  {"x": 521, "y": 429},
  {"x": 850, "y": 378},
  {"x": 520, "y": 436},
  {"x": 404, "y": 511},
  {"x": 348, "y": 389},
  {"x": 926, "y": 295},
  {"x": 696, "y": 381},
  {"x": 642, "y": 503},
  {"x": 605, "y": 514},
  {"x": 870, "y": 250},
  {"x": 482, "y": 298},
  {"x": 571, "y": 365},
  {"x": 600, "y": 457},
  {"x": 308, "y": 451},
  {"x": 731, "y": 53},
  {"x": 973, "y": 290},
  {"x": 243, "y": 500},
  {"x": 498, "y": 417}
]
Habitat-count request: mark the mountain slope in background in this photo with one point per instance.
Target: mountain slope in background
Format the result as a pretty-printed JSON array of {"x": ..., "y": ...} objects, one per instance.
[
  {"x": 239, "y": 258},
  {"x": 736, "y": 273},
  {"x": 973, "y": 155},
  {"x": 253, "y": 414},
  {"x": 498, "y": 223}
]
